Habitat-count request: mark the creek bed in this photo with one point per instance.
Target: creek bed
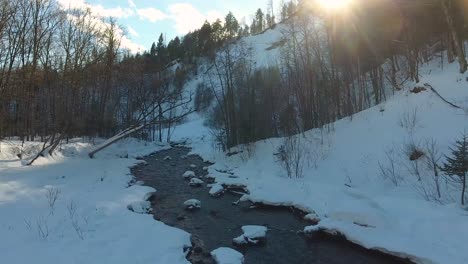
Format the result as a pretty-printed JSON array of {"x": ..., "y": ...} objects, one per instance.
[{"x": 219, "y": 221}]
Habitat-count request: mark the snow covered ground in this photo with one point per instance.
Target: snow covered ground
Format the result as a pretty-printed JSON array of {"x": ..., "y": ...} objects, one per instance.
[
  {"x": 342, "y": 182},
  {"x": 89, "y": 221}
]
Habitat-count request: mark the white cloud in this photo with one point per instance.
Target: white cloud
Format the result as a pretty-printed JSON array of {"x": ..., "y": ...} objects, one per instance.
[
  {"x": 151, "y": 14},
  {"x": 133, "y": 32},
  {"x": 130, "y": 45},
  {"x": 131, "y": 4},
  {"x": 99, "y": 10},
  {"x": 188, "y": 18},
  {"x": 117, "y": 12}
]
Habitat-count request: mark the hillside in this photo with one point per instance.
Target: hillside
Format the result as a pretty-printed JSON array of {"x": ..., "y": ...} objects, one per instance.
[
  {"x": 342, "y": 181},
  {"x": 280, "y": 117}
]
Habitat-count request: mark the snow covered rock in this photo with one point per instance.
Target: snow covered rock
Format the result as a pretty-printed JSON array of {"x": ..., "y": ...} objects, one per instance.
[
  {"x": 149, "y": 196},
  {"x": 216, "y": 190},
  {"x": 192, "y": 204},
  {"x": 225, "y": 255},
  {"x": 195, "y": 182},
  {"x": 140, "y": 207},
  {"x": 205, "y": 168},
  {"x": 188, "y": 174},
  {"x": 167, "y": 158},
  {"x": 252, "y": 234},
  {"x": 193, "y": 166},
  {"x": 312, "y": 217}
]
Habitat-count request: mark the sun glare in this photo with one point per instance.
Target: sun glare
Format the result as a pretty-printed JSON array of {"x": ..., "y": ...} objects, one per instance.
[{"x": 334, "y": 4}]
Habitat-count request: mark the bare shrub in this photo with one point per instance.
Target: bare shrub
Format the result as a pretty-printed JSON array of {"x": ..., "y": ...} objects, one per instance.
[
  {"x": 28, "y": 224},
  {"x": 42, "y": 228},
  {"x": 414, "y": 152},
  {"x": 292, "y": 156},
  {"x": 409, "y": 120},
  {"x": 52, "y": 194},
  {"x": 433, "y": 157},
  {"x": 389, "y": 169},
  {"x": 75, "y": 222}
]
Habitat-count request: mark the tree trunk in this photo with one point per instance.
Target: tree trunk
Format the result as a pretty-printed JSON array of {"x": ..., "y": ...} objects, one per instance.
[{"x": 456, "y": 40}]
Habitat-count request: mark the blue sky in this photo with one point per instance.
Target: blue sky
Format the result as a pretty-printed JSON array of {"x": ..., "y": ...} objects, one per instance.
[{"x": 144, "y": 20}]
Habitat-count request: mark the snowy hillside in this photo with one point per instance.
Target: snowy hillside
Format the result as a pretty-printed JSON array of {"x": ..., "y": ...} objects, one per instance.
[{"x": 342, "y": 180}]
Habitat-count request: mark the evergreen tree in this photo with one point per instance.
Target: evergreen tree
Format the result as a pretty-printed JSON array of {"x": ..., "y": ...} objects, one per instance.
[
  {"x": 173, "y": 49},
  {"x": 260, "y": 23},
  {"x": 231, "y": 25},
  {"x": 456, "y": 166},
  {"x": 217, "y": 32},
  {"x": 161, "y": 54},
  {"x": 153, "y": 50}
]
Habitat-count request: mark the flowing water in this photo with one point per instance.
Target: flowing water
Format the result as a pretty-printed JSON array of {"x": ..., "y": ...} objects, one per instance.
[{"x": 219, "y": 220}]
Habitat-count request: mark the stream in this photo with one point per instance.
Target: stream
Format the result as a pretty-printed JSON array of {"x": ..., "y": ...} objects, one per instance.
[{"x": 219, "y": 221}]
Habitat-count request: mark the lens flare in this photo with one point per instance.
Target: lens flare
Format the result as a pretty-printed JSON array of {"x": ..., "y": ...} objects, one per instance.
[{"x": 334, "y": 4}]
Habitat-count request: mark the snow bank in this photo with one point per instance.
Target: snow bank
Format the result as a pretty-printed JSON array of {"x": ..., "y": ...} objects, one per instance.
[{"x": 89, "y": 221}]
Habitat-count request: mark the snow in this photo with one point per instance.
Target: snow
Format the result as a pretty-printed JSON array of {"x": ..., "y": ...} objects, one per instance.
[
  {"x": 193, "y": 166},
  {"x": 252, "y": 234},
  {"x": 216, "y": 190},
  {"x": 312, "y": 217},
  {"x": 89, "y": 221},
  {"x": 140, "y": 207},
  {"x": 188, "y": 174},
  {"x": 342, "y": 182},
  {"x": 195, "y": 182},
  {"x": 192, "y": 204},
  {"x": 225, "y": 255}
]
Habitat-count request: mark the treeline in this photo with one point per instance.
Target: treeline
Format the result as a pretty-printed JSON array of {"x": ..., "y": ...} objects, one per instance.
[
  {"x": 331, "y": 67},
  {"x": 204, "y": 41},
  {"x": 63, "y": 73}
]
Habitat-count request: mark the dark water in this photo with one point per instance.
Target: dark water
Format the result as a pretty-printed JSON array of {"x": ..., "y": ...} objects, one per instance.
[{"x": 219, "y": 221}]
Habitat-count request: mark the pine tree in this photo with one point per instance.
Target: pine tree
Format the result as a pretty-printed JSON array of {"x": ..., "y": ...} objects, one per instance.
[
  {"x": 456, "y": 166},
  {"x": 260, "y": 23},
  {"x": 231, "y": 25}
]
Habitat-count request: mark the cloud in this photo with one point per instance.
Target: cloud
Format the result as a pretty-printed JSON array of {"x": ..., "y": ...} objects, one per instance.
[
  {"x": 188, "y": 18},
  {"x": 99, "y": 10},
  {"x": 151, "y": 14},
  {"x": 101, "y": 24},
  {"x": 131, "y": 4},
  {"x": 133, "y": 32},
  {"x": 131, "y": 46}
]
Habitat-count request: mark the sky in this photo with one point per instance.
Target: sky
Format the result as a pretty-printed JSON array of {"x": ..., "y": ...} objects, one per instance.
[{"x": 145, "y": 20}]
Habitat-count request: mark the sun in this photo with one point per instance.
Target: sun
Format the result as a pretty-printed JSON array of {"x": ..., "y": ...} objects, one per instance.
[{"x": 334, "y": 4}]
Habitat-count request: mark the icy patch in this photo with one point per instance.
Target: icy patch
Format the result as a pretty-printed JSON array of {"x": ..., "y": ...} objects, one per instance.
[
  {"x": 193, "y": 166},
  {"x": 225, "y": 255},
  {"x": 192, "y": 204},
  {"x": 167, "y": 158},
  {"x": 216, "y": 190},
  {"x": 188, "y": 174},
  {"x": 195, "y": 182},
  {"x": 140, "y": 207},
  {"x": 252, "y": 234}
]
